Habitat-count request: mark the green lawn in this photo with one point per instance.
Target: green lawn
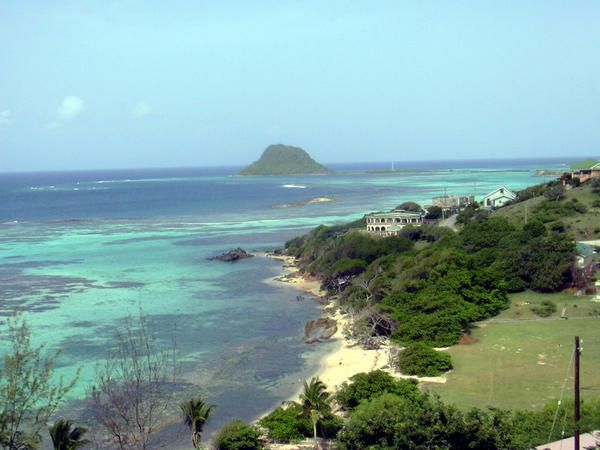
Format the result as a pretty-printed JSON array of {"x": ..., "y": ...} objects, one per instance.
[{"x": 522, "y": 363}]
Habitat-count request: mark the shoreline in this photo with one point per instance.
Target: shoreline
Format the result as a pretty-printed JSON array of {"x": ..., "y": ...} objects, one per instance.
[{"x": 348, "y": 358}]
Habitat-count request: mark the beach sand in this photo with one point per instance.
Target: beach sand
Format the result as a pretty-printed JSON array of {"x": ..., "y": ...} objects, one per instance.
[{"x": 348, "y": 358}]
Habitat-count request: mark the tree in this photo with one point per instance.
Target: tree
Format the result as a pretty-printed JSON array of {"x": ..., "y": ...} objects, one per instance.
[
  {"x": 196, "y": 413},
  {"x": 66, "y": 437},
  {"x": 237, "y": 435},
  {"x": 434, "y": 213},
  {"x": 315, "y": 402},
  {"x": 28, "y": 389},
  {"x": 555, "y": 192},
  {"x": 131, "y": 396},
  {"x": 410, "y": 206}
]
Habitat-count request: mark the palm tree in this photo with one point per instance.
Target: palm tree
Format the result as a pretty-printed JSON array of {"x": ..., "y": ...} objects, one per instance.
[
  {"x": 67, "y": 437},
  {"x": 315, "y": 402},
  {"x": 195, "y": 414}
]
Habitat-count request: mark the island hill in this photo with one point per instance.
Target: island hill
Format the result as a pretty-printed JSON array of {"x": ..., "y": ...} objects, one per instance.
[{"x": 285, "y": 160}]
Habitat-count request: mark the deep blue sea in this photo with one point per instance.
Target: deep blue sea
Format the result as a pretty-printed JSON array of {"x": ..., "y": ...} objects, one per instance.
[{"x": 80, "y": 251}]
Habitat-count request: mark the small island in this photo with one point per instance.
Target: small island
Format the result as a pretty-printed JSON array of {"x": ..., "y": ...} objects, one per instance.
[{"x": 285, "y": 160}]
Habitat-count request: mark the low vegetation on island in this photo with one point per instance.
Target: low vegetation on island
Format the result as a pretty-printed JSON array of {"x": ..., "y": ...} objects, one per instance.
[{"x": 285, "y": 160}]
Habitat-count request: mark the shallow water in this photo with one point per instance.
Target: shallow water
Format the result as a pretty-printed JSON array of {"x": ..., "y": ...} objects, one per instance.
[{"x": 79, "y": 252}]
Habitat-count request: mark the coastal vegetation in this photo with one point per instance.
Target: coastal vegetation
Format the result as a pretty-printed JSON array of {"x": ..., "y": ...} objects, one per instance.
[
  {"x": 423, "y": 361},
  {"x": 29, "y": 395},
  {"x": 285, "y": 160},
  {"x": 432, "y": 294},
  {"x": 238, "y": 435},
  {"x": 576, "y": 212}
]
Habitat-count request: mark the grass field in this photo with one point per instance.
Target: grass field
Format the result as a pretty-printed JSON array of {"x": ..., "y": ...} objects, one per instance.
[
  {"x": 519, "y": 360},
  {"x": 581, "y": 226}
]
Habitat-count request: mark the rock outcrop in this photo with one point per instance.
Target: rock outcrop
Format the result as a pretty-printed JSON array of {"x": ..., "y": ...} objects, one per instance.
[{"x": 232, "y": 255}]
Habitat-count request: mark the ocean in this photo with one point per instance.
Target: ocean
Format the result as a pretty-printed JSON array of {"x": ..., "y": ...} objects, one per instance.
[{"x": 82, "y": 251}]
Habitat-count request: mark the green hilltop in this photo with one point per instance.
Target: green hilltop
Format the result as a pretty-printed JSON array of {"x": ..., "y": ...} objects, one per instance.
[{"x": 285, "y": 160}]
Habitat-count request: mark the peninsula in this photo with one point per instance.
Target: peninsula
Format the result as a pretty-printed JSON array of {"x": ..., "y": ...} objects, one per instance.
[{"x": 285, "y": 160}]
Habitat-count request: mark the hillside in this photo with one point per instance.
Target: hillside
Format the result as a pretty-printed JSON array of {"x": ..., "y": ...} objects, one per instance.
[
  {"x": 578, "y": 211},
  {"x": 285, "y": 160}
]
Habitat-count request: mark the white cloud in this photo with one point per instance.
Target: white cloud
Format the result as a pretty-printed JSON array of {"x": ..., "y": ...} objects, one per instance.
[
  {"x": 5, "y": 117},
  {"x": 70, "y": 108},
  {"x": 141, "y": 110}
]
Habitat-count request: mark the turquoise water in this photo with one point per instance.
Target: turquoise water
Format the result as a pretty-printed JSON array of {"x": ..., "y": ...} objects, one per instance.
[{"x": 80, "y": 252}]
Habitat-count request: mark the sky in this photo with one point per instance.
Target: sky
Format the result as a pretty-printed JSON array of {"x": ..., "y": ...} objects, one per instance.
[{"x": 126, "y": 84}]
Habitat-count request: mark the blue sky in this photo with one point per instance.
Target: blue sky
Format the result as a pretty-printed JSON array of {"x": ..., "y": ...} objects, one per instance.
[{"x": 111, "y": 84}]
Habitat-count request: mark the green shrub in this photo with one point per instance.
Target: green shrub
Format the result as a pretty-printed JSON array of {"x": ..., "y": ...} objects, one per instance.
[
  {"x": 596, "y": 203},
  {"x": 329, "y": 426},
  {"x": 285, "y": 424},
  {"x": 237, "y": 435},
  {"x": 545, "y": 309},
  {"x": 365, "y": 386},
  {"x": 421, "y": 360}
]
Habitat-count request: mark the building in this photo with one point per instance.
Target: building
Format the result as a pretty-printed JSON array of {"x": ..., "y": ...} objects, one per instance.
[
  {"x": 498, "y": 198},
  {"x": 452, "y": 202},
  {"x": 390, "y": 223},
  {"x": 587, "y": 441},
  {"x": 585, "y": 170}
]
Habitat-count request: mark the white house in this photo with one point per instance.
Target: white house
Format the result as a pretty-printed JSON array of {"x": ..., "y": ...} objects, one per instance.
[
  {"x": 498, "y": 198},
  {"x": 391, "y": 223}
]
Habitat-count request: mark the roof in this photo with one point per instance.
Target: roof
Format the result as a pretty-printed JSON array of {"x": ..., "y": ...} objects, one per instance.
[
  {"x": 585, "y": 165},
  {"x": 397, "y": 213},
  {"x": 587, "y": 440},
  {"x": 507, "y": 191}
]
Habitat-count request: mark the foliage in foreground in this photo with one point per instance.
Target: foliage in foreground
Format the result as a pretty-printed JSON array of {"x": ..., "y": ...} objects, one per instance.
[
  {"x": 131, "y": 394},
  {"x": 391, "y": 421},
  {"x": 196, "y": 413},
  {"x": 423, "y": 361},
  {"x": 366, "y": 386},
  {"x": 67, "y": 437},
  {"x": 29, "y": 395},
  {"x": 238, "y": 435}
]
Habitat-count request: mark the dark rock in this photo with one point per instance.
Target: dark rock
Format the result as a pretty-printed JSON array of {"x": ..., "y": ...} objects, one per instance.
[{"x": 232, "y": 255}]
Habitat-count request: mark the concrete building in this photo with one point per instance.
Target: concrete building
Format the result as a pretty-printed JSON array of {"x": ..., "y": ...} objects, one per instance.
[
  {"x": 585, "y": 170},
  {"x": 391, "y": 223},
  {"x": 452, "y": 202},
  {"x": 498, "y": 198}
]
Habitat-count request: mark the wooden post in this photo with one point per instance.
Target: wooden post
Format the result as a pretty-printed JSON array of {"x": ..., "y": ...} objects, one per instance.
[{"x": 577, "y": 399}]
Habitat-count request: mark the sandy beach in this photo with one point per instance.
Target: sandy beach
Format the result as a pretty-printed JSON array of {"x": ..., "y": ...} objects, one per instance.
[{"x": 348, "y": 358}]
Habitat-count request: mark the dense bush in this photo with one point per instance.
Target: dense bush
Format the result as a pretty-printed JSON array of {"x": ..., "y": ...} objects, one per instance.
[
  {"x": 545, "y": 309},
  {"x": 421, "y": 360},
  {"x": 286, "y": 424},
  {"x": 289, "y": 424},
  {"x": 390, "y": 421},
  {"x": 433, "y": 294},
  {"x": 237, "y": 435},
  {"x": 410, "y": 206},
  {"x": 365, "y": 386},
  {"x": 434, "y": 213}
]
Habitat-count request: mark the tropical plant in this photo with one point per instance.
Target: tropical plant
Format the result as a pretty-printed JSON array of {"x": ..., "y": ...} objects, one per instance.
[
  {"x": 67, "y": 437},
  {"x": 28, "y": 394},
  {"x": 196, "y": 413},
  {"x": 238, "y": 435},
  {"x": 315, "y": 402}
]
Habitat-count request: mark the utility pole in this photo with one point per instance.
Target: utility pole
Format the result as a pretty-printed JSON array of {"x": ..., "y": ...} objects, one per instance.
[{"x": 577, "y": 399}]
